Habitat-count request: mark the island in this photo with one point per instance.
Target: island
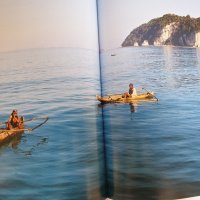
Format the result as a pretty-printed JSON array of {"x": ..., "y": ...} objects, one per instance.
[{"x": 170, "y": 29}]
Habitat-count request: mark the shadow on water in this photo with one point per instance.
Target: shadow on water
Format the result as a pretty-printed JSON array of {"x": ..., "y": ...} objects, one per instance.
[
  {"x": 15, "y": 142},
  {"x": 12, "y": 143},
  {"x": 131, "y": 165},
  {"x": 135, "y": 169},
  {"x": 133, "y": 107},
  {"x": 40, "y": 141},
  {"x": 133, "y": 187},
  {"x": 105, "y": 144}
]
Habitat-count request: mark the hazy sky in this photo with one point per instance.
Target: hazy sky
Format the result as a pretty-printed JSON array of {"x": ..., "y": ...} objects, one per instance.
[
  {"x": 47, "y": 23},
  {"x": 119, "y": 17},
  {"x": 72, "y": 23}
]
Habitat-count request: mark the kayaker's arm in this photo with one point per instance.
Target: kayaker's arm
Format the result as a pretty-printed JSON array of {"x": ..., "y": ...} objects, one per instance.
[{"x": 8, "y": 124}]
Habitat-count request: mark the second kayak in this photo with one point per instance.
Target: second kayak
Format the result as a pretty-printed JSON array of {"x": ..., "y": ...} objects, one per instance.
[{"x": 120, "y": 99}]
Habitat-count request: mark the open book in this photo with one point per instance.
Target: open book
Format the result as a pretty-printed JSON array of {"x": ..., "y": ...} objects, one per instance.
[{"x": 73, "y": 61}]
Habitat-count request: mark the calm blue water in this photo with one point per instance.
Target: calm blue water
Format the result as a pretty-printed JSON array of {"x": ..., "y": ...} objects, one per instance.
[
  {"x": 59, "y": 160},
  {"x": 153, "y": 148}
]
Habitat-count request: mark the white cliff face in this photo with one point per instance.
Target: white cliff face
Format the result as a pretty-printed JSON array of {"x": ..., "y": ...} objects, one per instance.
[
  {"x": 166, "y": 34},
  {"x": 145, "y": 43},
  {"x": 197, "y": 39}
]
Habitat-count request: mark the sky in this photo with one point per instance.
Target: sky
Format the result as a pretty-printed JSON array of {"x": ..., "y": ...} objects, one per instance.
[
  {"x": 119, "y": 17},
  {"x": 28, "y": 24}
]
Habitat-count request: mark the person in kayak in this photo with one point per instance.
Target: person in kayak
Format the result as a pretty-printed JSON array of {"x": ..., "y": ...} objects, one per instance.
[
  {"x": 132, "y": 91},
  {"x": 14, "y": 121}
]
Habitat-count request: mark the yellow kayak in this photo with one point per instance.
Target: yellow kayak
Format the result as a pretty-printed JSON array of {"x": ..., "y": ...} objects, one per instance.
[
  {"x": 120, "y": 99},
  {"x": 7, "y": 135}
]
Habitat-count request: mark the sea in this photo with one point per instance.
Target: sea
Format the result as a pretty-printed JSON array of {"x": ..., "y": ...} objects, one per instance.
[
  {"x": 153, "y": 148},
  {"x": 86, "y": 150},
  {"x": 59, "y": 160}
]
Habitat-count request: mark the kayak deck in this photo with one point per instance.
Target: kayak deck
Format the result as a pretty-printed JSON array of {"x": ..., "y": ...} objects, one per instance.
[
  {"x": 121, "y": 99},
  {"x": 7, "y": 135}
]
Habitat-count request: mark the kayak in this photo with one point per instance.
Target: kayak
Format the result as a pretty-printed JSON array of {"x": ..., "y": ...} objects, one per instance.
[
  {"x": 7, "y": 135},
  {"x": 120, "y": 99}
]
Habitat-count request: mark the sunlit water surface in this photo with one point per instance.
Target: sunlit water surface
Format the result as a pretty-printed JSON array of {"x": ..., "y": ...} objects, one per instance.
[
  {"x": 59, "y": 160},
  {"x": 153, "y": 148}
]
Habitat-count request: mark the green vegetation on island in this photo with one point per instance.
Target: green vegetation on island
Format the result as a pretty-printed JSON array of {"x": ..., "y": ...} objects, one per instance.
[{"x": 170, "y": 29}]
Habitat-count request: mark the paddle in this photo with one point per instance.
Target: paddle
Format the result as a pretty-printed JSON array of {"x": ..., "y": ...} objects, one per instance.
[
  {"x": 16, "y": 130},
  {"x": 47, "y": 118},
  {"x": 151, "y": 94},
  {"x": 36, "y": 118},
  {"x": 28, "y": 129},
  {"x": 28, "y": 120}
]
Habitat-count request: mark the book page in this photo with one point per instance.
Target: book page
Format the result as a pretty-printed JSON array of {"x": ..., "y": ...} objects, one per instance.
[
  {"x": 49, "y": 62},
  {"x": 152, "y": 143}
]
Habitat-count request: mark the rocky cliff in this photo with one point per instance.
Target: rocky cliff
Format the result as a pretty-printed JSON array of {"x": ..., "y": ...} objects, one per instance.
[{"x": 169, "y": 29}]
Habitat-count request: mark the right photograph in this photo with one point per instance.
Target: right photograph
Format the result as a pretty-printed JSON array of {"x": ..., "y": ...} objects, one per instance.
[{"x": 150, "y": 93}]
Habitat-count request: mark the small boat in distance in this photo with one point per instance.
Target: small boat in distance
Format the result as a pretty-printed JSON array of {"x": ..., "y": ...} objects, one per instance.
[
  {"x": 113, "y": 54},
  {"x": 120, "y": 99}
]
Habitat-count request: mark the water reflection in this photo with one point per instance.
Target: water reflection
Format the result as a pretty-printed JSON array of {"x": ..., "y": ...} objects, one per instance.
[
  {"x": 40, "y": 141},
  {"x": 15, "y": 142},
  {"x": 168, "y": 56},
  {"x": 142, "y": 166},
  {"x": 12, "y": 143},
  {"x": 132, "y": 106},
  {"x": 155, "y": 153},
  {"x": 198, "y": 56},
  {"x": 133, "y": 109},
  {"x": 178, "y": 67},
  {"x": 61, "y": 160}
]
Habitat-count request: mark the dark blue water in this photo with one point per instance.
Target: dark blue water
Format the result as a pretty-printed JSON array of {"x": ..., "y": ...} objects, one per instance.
[
  {"x": 62, "y": 159},
  {"x": 153, "y": 148}
]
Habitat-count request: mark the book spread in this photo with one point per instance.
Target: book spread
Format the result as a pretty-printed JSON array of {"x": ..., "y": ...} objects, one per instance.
[{"x": 99, "y": 100}]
